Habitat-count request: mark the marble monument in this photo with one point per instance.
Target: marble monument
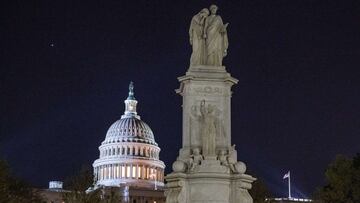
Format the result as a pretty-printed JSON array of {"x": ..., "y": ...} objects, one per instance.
[{"x": 207, "y": 168}]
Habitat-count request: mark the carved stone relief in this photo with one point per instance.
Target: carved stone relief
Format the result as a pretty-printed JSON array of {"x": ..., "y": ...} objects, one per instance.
[
  {"x": 206, "y": 128},
  {"x": 207, "y": 90}
]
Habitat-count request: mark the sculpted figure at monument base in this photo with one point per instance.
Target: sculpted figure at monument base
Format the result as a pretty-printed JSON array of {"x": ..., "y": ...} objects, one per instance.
[
  {"x": 208, "y": 181},
  {"x": 195, "y": 160}
]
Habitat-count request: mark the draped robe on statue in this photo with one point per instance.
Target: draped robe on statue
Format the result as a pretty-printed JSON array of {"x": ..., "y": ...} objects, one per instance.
[
  {"x": 216, "y": 40},
  {"x": 208, "y": 130},
  {"x": 198, "y": 42}
]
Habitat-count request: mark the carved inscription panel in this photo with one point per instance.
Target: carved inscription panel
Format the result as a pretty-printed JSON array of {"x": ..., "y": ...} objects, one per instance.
[{"x": 207, "y": 91}]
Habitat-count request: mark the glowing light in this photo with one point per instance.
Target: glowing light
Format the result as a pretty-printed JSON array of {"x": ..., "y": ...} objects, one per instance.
[
  {"x": 134, "y": 172},
  {"x": 128, "y": 170},
  {"x": 123, "y": 171},
  {"x": 139, "y": 172}
]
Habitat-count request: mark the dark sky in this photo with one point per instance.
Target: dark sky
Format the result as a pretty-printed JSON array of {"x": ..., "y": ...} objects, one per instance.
[{"x": 66, "y": 65}]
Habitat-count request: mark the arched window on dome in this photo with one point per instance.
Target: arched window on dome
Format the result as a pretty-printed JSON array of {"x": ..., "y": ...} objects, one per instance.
[
  {"x": 136, "y": 151},
  {"x": 118, "y": 151},
  {"x": 122, "y": 151},
  {"x": 151, "y": 174},
  {"x": 113, "y": 150},
  {"x": 117, "y": 171},
  {"x": 128, "y": 171},
  {"x": 133, "y": 172},
  {"x": 128, "y": 151},
  {"x": 138, "y": 171},
  {"x": 123, "y": 168},
  {"x": 101, "y": 173},
  {"x": 142, "y": 172},
  {"x": 105, "y": 172}
]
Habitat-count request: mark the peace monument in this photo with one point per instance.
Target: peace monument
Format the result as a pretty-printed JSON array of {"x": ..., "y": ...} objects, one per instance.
[{"x": 207, "y": 168}]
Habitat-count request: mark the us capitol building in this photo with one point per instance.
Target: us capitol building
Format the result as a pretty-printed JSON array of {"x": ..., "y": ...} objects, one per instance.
[{"x": 129, "y": 158}]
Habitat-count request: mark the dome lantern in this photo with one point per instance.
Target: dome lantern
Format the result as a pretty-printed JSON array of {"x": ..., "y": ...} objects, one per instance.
[{"x": 130, "y": 104}]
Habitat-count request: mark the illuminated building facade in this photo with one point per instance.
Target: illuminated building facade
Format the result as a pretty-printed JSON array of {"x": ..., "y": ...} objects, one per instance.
[
  {"x": 287, "y": 200},
  {"x": 129, "y": 156},
  {"x": 54, "y": 194}
]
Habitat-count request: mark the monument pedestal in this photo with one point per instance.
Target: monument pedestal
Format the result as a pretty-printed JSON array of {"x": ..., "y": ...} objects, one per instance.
[
  {"x": 205, "y": 187},
  {"x": 207, "y": 169}
]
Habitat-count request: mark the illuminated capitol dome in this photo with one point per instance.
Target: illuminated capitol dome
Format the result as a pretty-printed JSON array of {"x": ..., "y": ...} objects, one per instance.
[{"x": 129, "y": 155}]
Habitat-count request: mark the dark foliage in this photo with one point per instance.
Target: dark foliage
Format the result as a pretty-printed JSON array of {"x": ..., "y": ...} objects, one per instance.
[
  {"x": 259, "y": 191},
  {"x": 78, "y": 186},
  {"x": 342, "y": 181},
  {"x": 14, "y": 190}
]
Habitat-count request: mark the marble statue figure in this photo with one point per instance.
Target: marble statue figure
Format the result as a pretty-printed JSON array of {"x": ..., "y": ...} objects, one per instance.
[
  {"x": 232, "y": 159},
  {"x": 195, "y": 159},
  {"x": 208, "y": 129},
  {"x": 223, "y": 158},
  {"x": 215, "y": 38},
  {"x": 196, "y": 33}
]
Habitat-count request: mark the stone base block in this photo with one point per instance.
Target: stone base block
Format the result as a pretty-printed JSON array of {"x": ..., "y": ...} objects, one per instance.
[{"x": 205, "y": 187}]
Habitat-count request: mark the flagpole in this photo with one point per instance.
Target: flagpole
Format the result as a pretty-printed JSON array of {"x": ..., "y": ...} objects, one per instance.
[{"x": 289, "y": 186}]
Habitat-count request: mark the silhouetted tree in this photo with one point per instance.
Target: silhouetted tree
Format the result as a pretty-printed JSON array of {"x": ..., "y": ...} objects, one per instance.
[
  {"x": 78, "y": 185},
  {"x": 342, "y": 181},
  {"x": 259, "y": 191},
  {"x": 14, "y": 190}
]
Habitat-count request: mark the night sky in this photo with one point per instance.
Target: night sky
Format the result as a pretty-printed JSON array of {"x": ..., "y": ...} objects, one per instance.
[{"x": 66, "y": 66}]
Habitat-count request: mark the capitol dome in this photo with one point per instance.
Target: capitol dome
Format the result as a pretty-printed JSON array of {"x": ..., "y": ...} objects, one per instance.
[
  {"x": 130, "y": 130},
  {"x": 129, "y": 154}
]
